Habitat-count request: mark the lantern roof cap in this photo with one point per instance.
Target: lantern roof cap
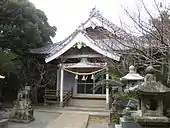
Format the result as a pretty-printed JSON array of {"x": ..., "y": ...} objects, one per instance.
[
  {"x": 132, "y": 75},
  {"x": 150, "y": 85}
]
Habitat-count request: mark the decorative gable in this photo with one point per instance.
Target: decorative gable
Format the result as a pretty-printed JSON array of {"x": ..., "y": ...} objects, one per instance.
[{"x": 78, "y": 40}]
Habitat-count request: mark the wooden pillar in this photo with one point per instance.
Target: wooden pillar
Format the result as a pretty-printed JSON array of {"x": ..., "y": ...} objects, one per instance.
[
  {"x": 58, "y": 82},
  {"x": 94, "y": 84},
  {"x": 61, "y": 85},
  {"x": 75, "y": 88},
  {"x": 107, "y": 90}
]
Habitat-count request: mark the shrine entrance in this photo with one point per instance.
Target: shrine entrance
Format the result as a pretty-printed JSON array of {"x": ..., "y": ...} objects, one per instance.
[
  {"x": 87, "y": 79},
  {"x": 89, "y": 85}
]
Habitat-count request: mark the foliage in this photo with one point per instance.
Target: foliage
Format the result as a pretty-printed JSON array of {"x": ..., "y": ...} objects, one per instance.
[
  {"x": 128, "y": 96},
  {"x": 113, "y": 80},
  {"x": 9, "y": 63},
  {"x": 115, "y": 119},
  {"x": 12, "y": 82},
  {"x": 10, "y": 67},
  {"x": 123, "y": 100},
  {"x": 22, "y": 26}
]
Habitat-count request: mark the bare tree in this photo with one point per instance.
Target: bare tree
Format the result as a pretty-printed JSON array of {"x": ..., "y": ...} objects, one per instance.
[
  {"x": 38, "y": 74},
  {"x": 148, "y": 45},
  {"x": 152, "y": 46}
]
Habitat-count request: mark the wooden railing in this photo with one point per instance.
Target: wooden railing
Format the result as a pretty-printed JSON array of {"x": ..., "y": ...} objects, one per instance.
[
  {"x": 53, "y": 96},
  {"x": 67, "y": 96},
  {"x": 110, "y": 99}
]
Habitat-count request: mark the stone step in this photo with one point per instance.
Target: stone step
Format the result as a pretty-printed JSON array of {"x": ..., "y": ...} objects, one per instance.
[
  {"x": 66, "y": 120},
  {"x": 97, "y": 126},
  {"x": 94, "y": 109},
  {"x": 102, "y": 114},
  {"x": 87, "y": 103},
  {"x": 118, "y": 126}
]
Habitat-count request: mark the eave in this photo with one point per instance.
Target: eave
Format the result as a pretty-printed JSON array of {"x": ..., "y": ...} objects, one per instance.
[{"x": 81, "y": 36}]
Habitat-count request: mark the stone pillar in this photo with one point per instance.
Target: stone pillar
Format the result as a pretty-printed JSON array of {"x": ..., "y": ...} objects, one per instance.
[
  {"x": 107, "y": 90},
  {"x": 160, "y": 107},
  {"x": 61, "y": 85}
]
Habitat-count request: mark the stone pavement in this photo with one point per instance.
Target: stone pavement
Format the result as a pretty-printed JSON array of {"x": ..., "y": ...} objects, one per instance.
[
  {"x": 59, "y": 118},
  {"x": 41, "y": 120},
  {"x": 70, "y": 120}
]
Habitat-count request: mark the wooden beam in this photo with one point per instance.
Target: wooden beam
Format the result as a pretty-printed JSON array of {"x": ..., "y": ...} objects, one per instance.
[{"x": 85, "y": 55}]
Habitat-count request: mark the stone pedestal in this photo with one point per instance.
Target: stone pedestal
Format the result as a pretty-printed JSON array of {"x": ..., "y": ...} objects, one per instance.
[
  {"x": 4, "y": 123},
  {"x": 153, "y": 122},
  {"x": 22, "y": 112},
  {"x": 127, "y": 122}
]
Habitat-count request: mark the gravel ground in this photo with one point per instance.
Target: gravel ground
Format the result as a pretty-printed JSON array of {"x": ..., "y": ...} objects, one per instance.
[
  {"x": 41, "y": 120},
  {"x": 97, "y": 122}
]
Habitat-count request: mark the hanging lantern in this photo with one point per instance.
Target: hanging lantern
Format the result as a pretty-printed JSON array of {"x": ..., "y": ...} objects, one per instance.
[
  {"x": 92, "y": 76},
  {"x": 86, "y": 77},
  {"x": 76, "y": 77},
  {"x": 83, "y": 78}
]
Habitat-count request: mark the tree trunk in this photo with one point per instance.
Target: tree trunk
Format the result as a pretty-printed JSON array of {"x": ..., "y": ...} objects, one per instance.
[
  {"x": 168, "y": 78},
  {"x": 34, "y": 95},
  {"x": 0, "y": 96}
]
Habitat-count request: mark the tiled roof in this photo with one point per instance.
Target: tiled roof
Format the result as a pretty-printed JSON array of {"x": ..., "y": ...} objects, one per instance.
[
  {"x": 47, "y": 49},
  {"x": 105, "y": 39},
  {"x": 52, "y": 48},
  {"x": 101, "y": 36},
  {"x": 99, "y": 33}
]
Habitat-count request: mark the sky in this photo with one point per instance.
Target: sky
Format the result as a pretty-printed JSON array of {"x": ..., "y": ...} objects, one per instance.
[{"x": 67, "y": 15}]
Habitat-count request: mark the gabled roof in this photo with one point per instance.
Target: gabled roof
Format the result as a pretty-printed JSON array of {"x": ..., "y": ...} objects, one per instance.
[
  {"x": 96, "y": 38},
  {"x": 82, "y": 36}
]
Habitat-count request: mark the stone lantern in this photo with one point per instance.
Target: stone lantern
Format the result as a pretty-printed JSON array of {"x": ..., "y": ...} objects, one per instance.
[
  {"x": 151, "y": 96},
  {"x": 132, "y": 78}
]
